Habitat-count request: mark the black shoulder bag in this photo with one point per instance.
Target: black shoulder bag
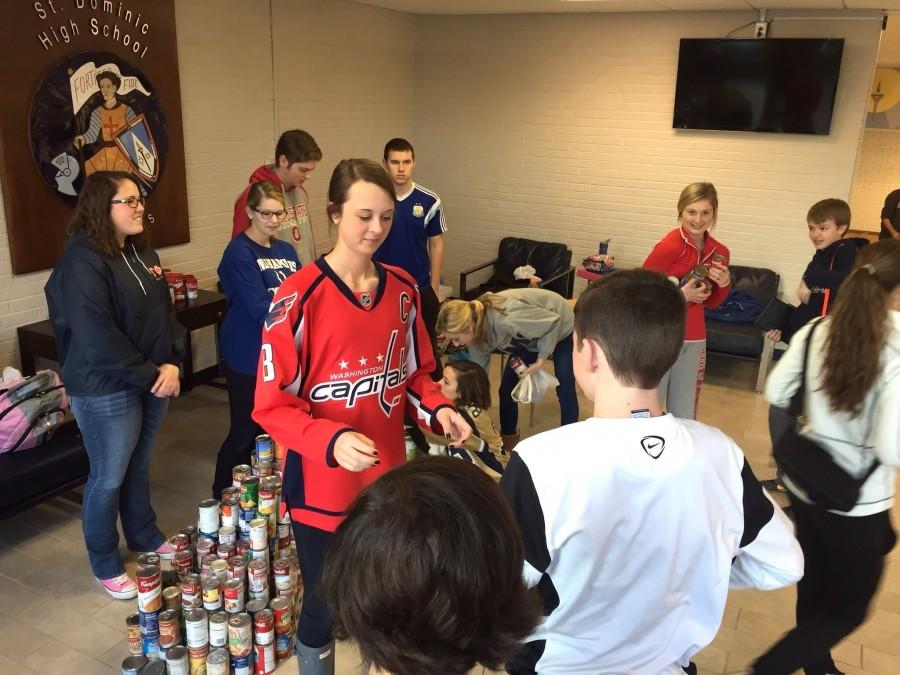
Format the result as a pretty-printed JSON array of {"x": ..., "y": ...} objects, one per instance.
[{"x": 808, "y": 465}]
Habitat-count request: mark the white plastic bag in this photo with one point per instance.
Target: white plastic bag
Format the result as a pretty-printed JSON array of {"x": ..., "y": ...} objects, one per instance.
[{"x": 533, "y": 386}]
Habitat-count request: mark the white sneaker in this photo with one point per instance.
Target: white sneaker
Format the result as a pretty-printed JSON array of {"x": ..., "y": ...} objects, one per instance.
[{"x": 121, "y": 587}]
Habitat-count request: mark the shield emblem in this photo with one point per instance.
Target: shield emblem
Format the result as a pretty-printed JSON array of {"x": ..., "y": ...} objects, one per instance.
[{"x": 136, "y": 141}]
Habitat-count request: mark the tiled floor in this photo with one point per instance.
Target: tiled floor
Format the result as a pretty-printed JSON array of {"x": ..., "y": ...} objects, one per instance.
[{"x": 54, "y": 619}]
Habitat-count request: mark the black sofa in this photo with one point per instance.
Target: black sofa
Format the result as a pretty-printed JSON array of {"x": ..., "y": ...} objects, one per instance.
[
  {"x": 29, "y": 477},
  {"x": 746, "y": 340}
]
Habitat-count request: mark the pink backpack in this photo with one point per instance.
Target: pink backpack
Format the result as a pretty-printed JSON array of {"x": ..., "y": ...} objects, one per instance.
[{"x": 30, "y": 410}]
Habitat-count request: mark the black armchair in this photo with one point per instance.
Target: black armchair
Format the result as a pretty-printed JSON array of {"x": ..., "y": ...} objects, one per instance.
[{"x": 552, "y": 262}]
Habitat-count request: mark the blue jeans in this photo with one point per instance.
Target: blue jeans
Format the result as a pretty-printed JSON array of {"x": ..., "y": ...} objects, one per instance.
[
  {"x": 119, "y": 431},
  {"x": 565, "y": 392}
]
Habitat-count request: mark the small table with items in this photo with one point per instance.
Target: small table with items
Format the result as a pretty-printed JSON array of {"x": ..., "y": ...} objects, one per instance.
[{"x": 37, "y": 339}]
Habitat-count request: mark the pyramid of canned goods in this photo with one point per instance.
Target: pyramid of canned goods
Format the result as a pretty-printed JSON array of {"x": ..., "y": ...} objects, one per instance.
[{"x": 226, "y": 602}]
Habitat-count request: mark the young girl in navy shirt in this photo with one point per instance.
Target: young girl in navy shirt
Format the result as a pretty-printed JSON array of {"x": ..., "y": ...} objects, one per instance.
[{"x": 253, "y": 266}]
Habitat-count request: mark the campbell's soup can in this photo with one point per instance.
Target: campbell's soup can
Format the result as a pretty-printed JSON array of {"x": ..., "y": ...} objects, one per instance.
[
  {"x": 257, "y": 575},
  {"x": 180, "y": 542},
  {"x": 267, "y": 496},
  {"x": 237, "y": 568},
  {"x": 183, "y": 563},
  {"x": 281, "y": 571},
  {"x": 264, "y": 658},
  {"x": 191, "y": 290},
  {"x": 234, "y": 596},
  {"x": 212, "y": 594},
  {"x": 176, "y": 281},
  {"x": 264, "y": 627},
  {"x": 149, "y": 583},
  {"x": 191, "y": 591},
  {"x": 226, "y": 551}
]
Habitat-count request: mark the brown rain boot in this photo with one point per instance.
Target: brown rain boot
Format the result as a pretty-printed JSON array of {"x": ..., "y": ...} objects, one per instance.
[{"x": 509, "y": 441}]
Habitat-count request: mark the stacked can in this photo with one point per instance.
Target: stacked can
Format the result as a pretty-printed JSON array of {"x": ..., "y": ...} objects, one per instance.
[
  {"x": 149, "y": 583},
  {"x": 212, "y": 612},
  {"x": 283, "y": 619},
  {"x": 240, "y": 643},
  {"x": 264, "y": 642},
  {"x": 177, "y": 660},
  {"x": 196, "y": 633}
]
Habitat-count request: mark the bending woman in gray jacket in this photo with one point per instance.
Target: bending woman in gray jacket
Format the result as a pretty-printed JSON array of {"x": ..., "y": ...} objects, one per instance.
[{"x": 531, "y": 323}]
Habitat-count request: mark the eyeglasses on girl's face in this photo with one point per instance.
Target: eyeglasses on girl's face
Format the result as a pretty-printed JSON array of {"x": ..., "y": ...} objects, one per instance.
[
  {"x": 132, "y": 202},
  {"x": 268, "y": 215}
]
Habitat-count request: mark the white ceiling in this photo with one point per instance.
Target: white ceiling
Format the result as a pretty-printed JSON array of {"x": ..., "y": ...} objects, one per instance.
[
  {"x": 539, "y": 6},
  {"x": 888, "y": 55}
]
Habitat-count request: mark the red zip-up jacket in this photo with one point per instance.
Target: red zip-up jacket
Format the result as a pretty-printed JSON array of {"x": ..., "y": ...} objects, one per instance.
[
  {"x": 675, "y": 255},
  {"x": 334, "y": 361}
]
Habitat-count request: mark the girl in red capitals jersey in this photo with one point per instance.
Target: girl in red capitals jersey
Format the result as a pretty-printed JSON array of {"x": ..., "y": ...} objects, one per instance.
[
  {"x": 685, "y": 248},
  {"x": 345, "y": 355}
]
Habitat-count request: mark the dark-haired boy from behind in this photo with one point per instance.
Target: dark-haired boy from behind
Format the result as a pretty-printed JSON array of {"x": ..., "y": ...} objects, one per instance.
[{"x": 636, "y": 523}]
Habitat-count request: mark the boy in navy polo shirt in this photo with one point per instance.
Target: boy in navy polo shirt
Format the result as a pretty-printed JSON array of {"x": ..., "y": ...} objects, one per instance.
[{"x": 416, "y": 239}]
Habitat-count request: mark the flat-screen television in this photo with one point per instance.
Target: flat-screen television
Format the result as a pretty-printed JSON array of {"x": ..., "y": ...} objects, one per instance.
[{"x": 784, "y": 85}]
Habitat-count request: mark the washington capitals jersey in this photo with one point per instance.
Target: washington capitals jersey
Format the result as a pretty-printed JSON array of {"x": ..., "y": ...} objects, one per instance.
[{"x": 333, "y": 361}]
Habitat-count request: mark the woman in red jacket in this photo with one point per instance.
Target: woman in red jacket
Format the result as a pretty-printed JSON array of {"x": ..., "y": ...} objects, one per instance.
[
  {"x": 690, "y": 257},
  {"x": 345, "y": 355}
]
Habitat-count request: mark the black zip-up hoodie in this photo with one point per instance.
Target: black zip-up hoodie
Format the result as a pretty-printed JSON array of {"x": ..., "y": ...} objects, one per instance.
[
  {"x": 113, "y": 317},
  {"x": 825, "y": 272}
]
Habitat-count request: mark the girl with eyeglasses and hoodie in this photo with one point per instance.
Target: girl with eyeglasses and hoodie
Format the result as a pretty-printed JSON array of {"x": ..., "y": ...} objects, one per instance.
[
  {"x": 120, "y": 346},
  {"x": 253, "y": 266}
]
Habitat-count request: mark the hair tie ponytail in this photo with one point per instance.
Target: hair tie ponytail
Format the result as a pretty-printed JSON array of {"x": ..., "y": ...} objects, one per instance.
[{"x": 870, "y": 268}]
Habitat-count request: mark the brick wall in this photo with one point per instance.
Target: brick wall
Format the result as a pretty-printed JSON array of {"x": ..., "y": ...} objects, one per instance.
[
  {"x": 559, "y": 127},
  {"x": 345, "y": 73},
  {"x": 877, "y": 174}
]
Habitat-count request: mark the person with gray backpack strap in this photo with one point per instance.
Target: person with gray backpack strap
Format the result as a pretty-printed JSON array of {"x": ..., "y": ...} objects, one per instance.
[
  {"x": 31, "y": 408},
  {"x": 848, "y": 365}
]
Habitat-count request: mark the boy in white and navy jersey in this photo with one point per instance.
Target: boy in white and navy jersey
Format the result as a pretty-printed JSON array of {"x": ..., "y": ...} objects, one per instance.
[
  {"x": 637, "y": 523},
  {"x": 416, "y": 240}
]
